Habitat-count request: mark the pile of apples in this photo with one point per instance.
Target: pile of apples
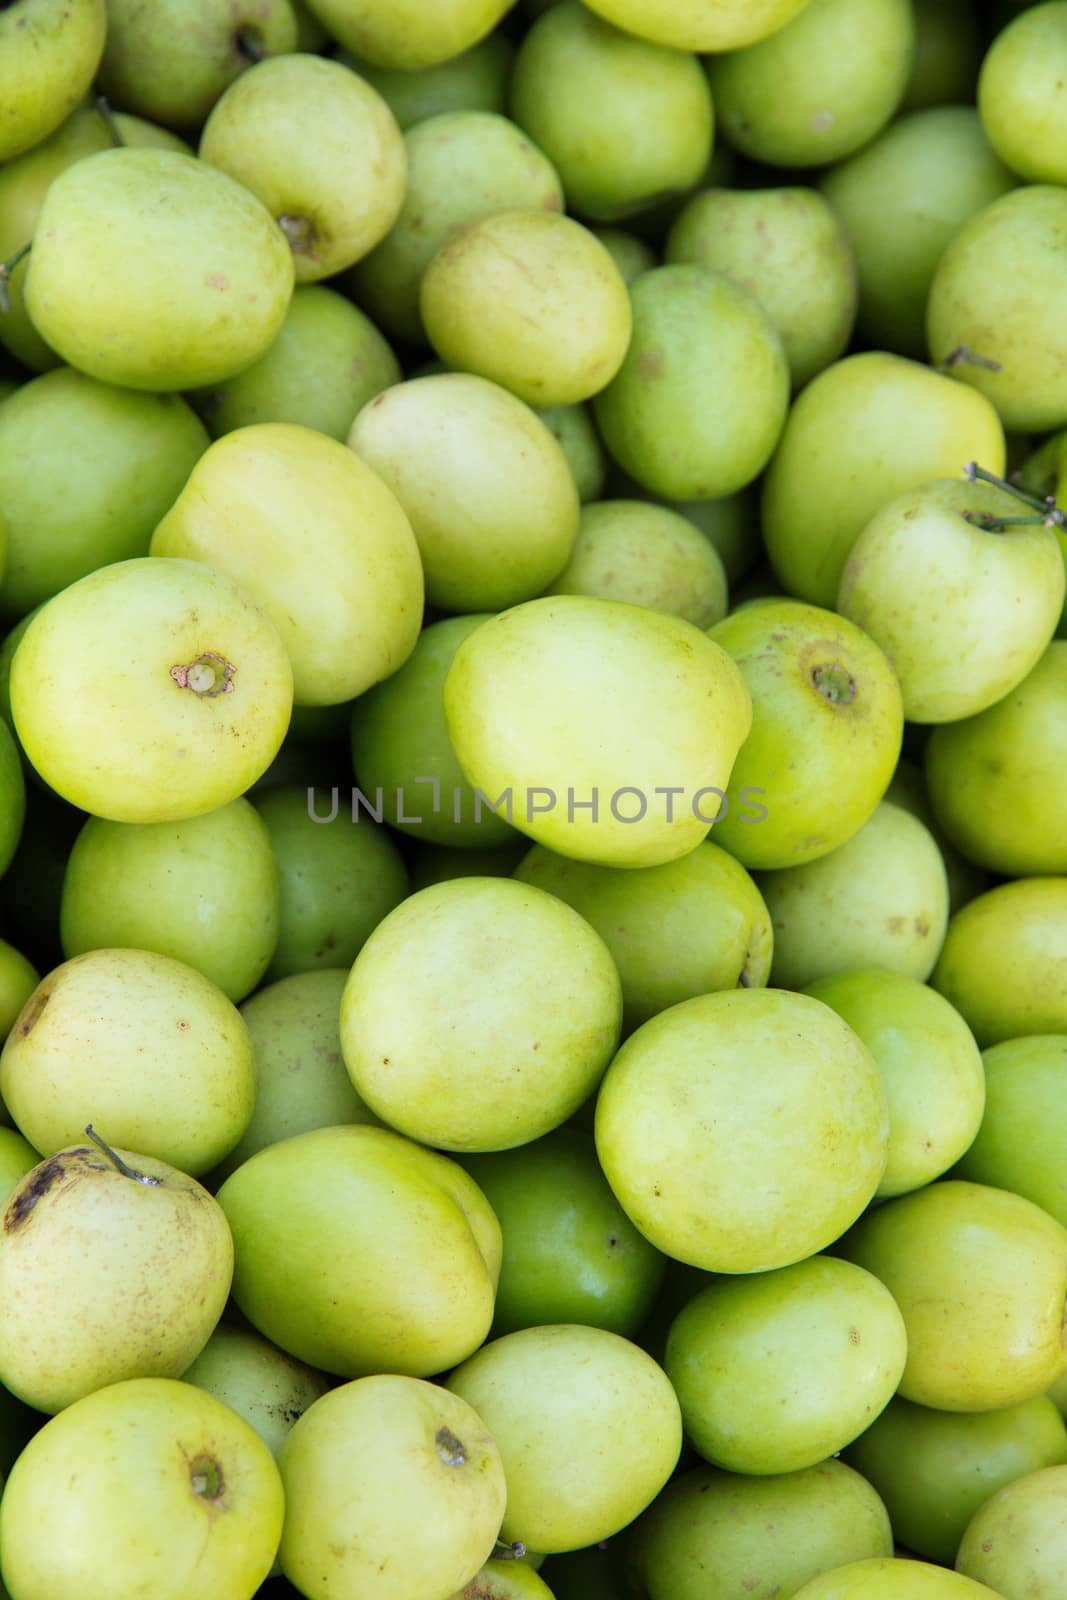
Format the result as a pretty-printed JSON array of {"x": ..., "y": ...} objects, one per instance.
[{"x": 533, "y": 799}]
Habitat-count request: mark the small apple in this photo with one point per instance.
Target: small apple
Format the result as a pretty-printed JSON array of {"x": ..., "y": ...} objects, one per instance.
[
  {"x": 744, "y": 1130},
  {"x": 140, "y": 1258},
  {"x": 1018, "y": 1538},
  {"x": 147, "y": 1486},
  {"x": 894, "y": 1579},
  {"x": 647, "y": 555},
  {"x": 505, "y": 1580},
  {"x": 535, "y": 1006},
  {"x": 573, "y": 427},
  {"x": 266, "y": 1387},
  {"x": 1018, "y": 1144},
  {"x": 405, "y": 35},
  {"x": 987, "y": 1265},
  {"x": 358, "y": 1251},
  {"x": 1018, "y": 93},
  {"x": 474, "y": 80},
  {"x": 1017, "y": 934},
  {"x": 587, "y": 1425},
  {"x": 49, "y": 53},
  {"x": 17, "y": 1157},
  {"x": 392, "y": 1486},
  {"x": 147, "y": 1045},
  {"x": 700, "y": 24}
]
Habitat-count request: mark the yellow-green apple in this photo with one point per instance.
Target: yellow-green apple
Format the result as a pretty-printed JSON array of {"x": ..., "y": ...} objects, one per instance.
[
  {"x": 744, "y": 1130},
  {"x": 474, "y": 80},
  {"x": 406, "y": 35},
  {"x": 18, "y": 979},
  {"x": 49, "y": 53},
  {"x": 1018, "y": 1538},
  {"x": 893, "y": 1579},
  {"x": 17, "y": 1157},
  {"x": 573, "y": 427},
  {"x": 535, "y": 1005},
  {"x": 266, "y": 1387},
  {"x": 700, "y": 24},
  {"x": 647, "y": 555},
  {"x": 1018, "y": 93},
  {"x": 1018, "y": 1144},
  {"x": 505, "y": 1580},
  {"x": 1003, "y": 964}
]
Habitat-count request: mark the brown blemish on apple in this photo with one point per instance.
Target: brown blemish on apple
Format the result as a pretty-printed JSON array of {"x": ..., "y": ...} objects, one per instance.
[
  {"x": 216, "y": 280},
  {"x": 853, "y": 1336},
  {"x": 31, "y": 1011},
  {"x": 41, "y": 1180},
  {"x": 650, "y": 364}
]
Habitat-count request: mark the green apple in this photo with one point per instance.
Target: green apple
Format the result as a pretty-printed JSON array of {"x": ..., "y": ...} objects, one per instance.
[
  {"x": 358, "y": 1251},
  {"x": 934, "y": 1469},
  {"x": 317, "y": 539},
  {"x": 150, "y": 691},
  {"x": 790, "y": 251},
  {"x": 993, "y": 778},
  {"x": 1018, "y": 1538},
  {"x": 699, "y": 402},
  {"x": 575, "y": 430},
  {"x": 405, "y": 35},
  {"x": 630, "y": 254},
  {"x": 893, "y": 1579},
  {"x": 461, "y": 165},
  {"x": 587, "y": 93},
  {"x": 86, "y": 472},
  {"x": 744, "y": 1130},
  {"x": 486, "y": 487},
  {"x": 700, "y": 24},
  {"x": 49, "y": 53},
  {"x": 137, "y": 1253},
  {"x": 963, "y": 604},
  {"x": 980, "y": 1276},
  {"x": 148, "y": 1486},
  {"x": 734, "y": 1350},
  {"x": 878, "y": 900},
  {"x": 505, "y": 1580},
  {"x": 901, "y": 199},
  {"x": 655, "y": 710},
  {"x": 474, "y": 80},
  {"x": 172, "y": 60},
  {"x": 1018, "y": 93},
  {"x": 571, "y": 1254},
  {"x": 203, "y": 891},
  {"x": 930, "y": 1065},
  {"x": 12, "y": 797},
  {"x": 269, "y": 1389},
  {"x": 735, "y": 1536},
  {"x": 149, "y": 1047},
  {"x": 338, "y": 880},
  {"x": 647, "y": 555},
  {"x": 588, "y": 1427},
  {"x": 200, "y": 245},
  {"x": 535, "y": 1005},
  {"x": 826, "y": 482},
  {"x": 403, "y": 757},
  {"x": 320, "y": 148},
  {"x": 326, "y": 363},
  {"x": 999, "y": 266},
  {"x": 18, "y": 979},
  {"x": 690, "y": 927},
  {"x": 825, "y": 703},
  {"x": 531, "y": 300},
  {"x": 1004, "y": 958},
  {"x": 17, "y": 1157},
  {"x": 393, "y": 1487},
  {"x": 1018, "y": 1144},
  {"x": 908, "y": 788},
  {"x": 301, "y": 1082},
  {"x": 806, "y": 96},
  {"x": 948, "y": 47}
]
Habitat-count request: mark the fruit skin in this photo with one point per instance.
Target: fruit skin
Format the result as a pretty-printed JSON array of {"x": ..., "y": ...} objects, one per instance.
[
  {"x": 405, "y": 35},
  {"x": 825, "y": 483},
  {"x": 930, "y": 1064},
  {"x": 718, "y": 1529},
  {"x": 588, "y": 1428},
  {"x": 791, "y": 101},
  {"x": 148, "y": 1046},
  {"x": 893, "y": 1580},
  {"x": 993, "y": 777},
  {"x": 142, "y": 1271},
  {"x": 49, "y": 53},
  {"x": 320, "y": 148},
  {"x": 744, "y": 1130},
  {"x": 102, "y": 716},
  {"x": 1018, "y": 1538},
  {"x": 963, "y": 613},
  {"x": 475, "y": 80},
  {"x": 583, "y": 91},
  {"x": 650, "y": 701},
  {"x": 99, "y": 1502},
  {"x": 699, "y": 402},
  {"x": 262, "y": 1384},
  {"x": 988, "y": 1265},
  {"x": 173, "y": 232},
  {"x": 1018, "y": 1143},
  {"x": 535, "y": 1006},
  {"x": 1017, "y": 931},
  {"x": 358, "y": 1251},
  {"x": 1018, "y": 94},
  {"x": 734, "y": 1350},
  {"x": 825, "y": 703},
  {"x": 1001, "y": 265},
  {"x": 368, "y": 1462},
  {"x": 935, "y": 1468},
  {"x": 691, "y": 25}
]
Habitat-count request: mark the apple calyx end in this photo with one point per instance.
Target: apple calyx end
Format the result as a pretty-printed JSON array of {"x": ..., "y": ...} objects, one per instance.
[
  {"x": 205, "y": 1477},
  {"x": 204, "y": 677},
  {"x": 834, "y": 682},
  {"x": 300, "y": 234}
]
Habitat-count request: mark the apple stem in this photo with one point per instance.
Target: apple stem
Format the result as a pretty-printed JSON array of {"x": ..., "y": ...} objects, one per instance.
[
  {"x": 249, "y": 42},
  {"x": 6, "y": 269},
  {"x": 964, "y": 356},
  {"x": 109, "y": 118},
  {"x": 117, "y": 1161},
  {"x": 1049, "y": 513},
  {"x": 508, "y": 1552}
]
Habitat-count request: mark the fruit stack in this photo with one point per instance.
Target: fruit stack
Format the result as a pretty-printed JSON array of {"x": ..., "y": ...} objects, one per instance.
[{"x": 533, "y": 837}]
